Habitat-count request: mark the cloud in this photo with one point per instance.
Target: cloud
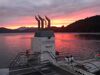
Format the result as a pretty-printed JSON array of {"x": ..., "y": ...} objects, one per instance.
[{"x": 13, "y": 9}]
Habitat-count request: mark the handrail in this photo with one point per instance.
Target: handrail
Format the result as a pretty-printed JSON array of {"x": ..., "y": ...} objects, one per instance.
[
  {"x": 16, "y": 59},
  {"x": 18, "y": 56}
]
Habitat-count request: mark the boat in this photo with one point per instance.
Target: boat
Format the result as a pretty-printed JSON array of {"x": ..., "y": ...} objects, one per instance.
[{"x": 43, "y": 59}]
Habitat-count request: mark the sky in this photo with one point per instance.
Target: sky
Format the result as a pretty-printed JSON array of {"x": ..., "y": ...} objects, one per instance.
[{"x": 20, "y": 13}]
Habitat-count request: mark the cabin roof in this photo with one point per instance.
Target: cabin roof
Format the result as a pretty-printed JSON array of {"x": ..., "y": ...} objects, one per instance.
[{"x": 44, "y": 33}]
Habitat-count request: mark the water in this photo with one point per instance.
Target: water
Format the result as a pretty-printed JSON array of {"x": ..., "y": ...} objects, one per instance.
[{"x": 82, "y": 46}]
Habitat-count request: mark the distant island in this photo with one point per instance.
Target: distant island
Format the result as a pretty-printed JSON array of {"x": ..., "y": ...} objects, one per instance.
[{"x": 90, "y": 24}]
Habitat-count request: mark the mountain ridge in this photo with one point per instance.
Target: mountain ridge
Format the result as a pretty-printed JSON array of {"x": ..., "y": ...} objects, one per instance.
[{"x": 89, "y": 24}]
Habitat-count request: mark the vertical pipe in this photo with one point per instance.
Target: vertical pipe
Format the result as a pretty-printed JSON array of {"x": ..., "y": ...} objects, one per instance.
[
  {"x": 45, "y": 23},
  {"x": 42, "y": 22},
  {"x": 49, "y": 22},
  {"x": 38, "y": 22}
]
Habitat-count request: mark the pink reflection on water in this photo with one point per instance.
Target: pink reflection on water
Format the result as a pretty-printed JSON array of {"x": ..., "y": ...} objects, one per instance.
[
  {"x": 72, "y": 45},
  {"x": 62, "y": 39},
  {"x": 14, "y": 43}
]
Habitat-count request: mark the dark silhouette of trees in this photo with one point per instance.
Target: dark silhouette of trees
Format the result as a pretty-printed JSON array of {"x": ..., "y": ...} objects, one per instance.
[{"x": 91, "y": 24}]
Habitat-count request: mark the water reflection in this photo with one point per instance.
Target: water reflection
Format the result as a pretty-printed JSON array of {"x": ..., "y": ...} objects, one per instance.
[
  {"x": 11, "y": 44},
  {"x": 77, "y": 45}
]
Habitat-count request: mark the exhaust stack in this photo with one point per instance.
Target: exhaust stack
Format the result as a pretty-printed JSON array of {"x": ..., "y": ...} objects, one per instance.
[
  {"x": 49, "y": 22},
  {"x": 43, "y": 23},
  {"x": 38, "y": 22}
]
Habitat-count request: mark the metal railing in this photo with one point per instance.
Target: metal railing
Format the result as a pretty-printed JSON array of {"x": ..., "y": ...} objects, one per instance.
[{"x": 16, "y": 59}]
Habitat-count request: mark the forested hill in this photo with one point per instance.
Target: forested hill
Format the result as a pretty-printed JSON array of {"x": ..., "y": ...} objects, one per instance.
[{"x": 90, "y": 24}]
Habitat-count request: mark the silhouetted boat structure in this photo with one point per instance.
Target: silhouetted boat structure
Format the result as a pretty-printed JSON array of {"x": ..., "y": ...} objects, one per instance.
[{"x": 44, "y": 60}]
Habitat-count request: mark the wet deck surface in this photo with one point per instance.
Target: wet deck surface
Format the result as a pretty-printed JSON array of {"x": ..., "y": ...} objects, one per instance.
[
  {"x": 34, "y": 73},
  {"x": 45, "y": 70},
  {"x": 61, "y": 71}
]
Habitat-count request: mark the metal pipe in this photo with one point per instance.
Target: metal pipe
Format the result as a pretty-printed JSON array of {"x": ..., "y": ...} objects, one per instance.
[
  {"x": 49, "y": 22},
  {"x": 45, "y": 23},
  {"x": 42, "y": 21},
  {"x": 38, "y": 22}
]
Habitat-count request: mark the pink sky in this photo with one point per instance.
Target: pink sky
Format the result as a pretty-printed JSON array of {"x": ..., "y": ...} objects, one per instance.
[
  {"x": 29, "y": 21},
  {"x": 20, "y": 13}
]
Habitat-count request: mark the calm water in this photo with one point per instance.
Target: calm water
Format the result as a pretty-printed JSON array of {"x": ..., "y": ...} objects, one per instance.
[{"x": 82, "y": 46}]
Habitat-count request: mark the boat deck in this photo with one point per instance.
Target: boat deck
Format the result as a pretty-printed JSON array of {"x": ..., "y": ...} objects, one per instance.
[{"x": 44, "y": 69}]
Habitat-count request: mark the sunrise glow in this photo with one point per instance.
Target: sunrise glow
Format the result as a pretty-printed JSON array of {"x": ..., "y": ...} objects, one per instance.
[
  {"x": 31, "y": 22},
  {"x": 61, "y": 12}
]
